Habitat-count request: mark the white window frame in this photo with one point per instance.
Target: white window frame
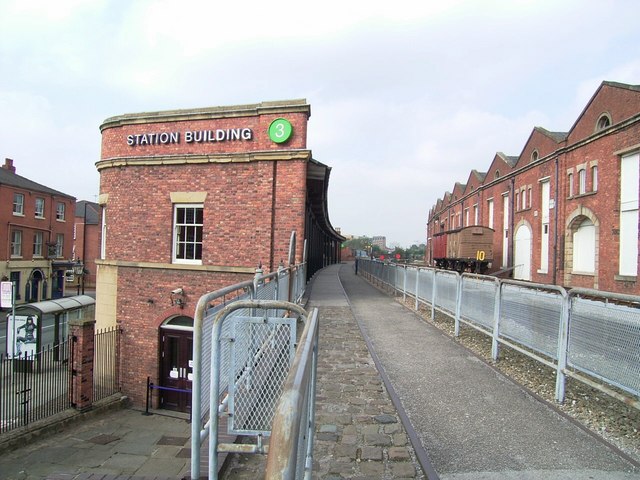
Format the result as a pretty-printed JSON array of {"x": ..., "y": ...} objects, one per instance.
[
  {"x": 18, "y": 204},
  {"x": 570, "y": 180},
  {"x": 60, "y": 212},
  {"x": 594, "y": 178},
  {"x": 176, "y": 255},
  {"x": 584, "y": 248},
  {"x": 629, "y": 194},
  {"x": 39, "y": 212},
  {"x": 490, "y": 209},
  {"x": 16, "y": 243},
  {"x": 59, "y": 245},
  {"x": 38, "y": 242},
  {"x": 582, "y": 181}
]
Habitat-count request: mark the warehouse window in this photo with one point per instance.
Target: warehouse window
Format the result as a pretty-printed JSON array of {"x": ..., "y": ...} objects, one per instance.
[
  {"x": 570, "y": 184},
  {"x": 584, "y": 247},
  {"x": 594, "y": 178},
  {"x": 187, "y": 233},
  {"x": 604, "y": 121},
  {"x": 582, "y": 181}
]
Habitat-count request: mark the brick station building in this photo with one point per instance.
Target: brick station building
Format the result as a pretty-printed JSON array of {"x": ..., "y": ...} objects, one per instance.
[{"x": 195, "y": 200}]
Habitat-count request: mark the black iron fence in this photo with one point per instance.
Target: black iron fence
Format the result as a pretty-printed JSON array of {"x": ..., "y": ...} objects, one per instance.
[
  {"x": 106, "y": 380},
  {"x": 33, "y": 387}
]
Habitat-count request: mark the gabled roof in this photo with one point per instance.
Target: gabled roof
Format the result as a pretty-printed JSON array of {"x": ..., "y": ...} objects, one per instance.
[
  {"x": 621, "y": 86},
  {"x": 12, "y": 179},
  {"x": 556, "y": 136}
]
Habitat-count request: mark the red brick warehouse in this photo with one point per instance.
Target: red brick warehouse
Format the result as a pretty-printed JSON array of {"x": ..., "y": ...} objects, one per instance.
[
  {"x": 564, "y": 211},
  {"x": 195, "y": 200}
]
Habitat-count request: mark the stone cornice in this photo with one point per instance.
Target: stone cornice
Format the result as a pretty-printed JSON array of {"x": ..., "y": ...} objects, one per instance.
[
  {"x": 260, "y": 156},
  {"x": 252, "y": 110},
  {"x": 176, "y": 266}
]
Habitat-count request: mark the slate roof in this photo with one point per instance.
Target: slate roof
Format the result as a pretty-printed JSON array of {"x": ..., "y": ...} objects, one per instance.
[{"x": 14, "y": 180}]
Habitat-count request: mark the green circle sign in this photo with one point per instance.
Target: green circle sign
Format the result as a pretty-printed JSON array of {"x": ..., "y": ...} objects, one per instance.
[{"x": 280, "y": 130}]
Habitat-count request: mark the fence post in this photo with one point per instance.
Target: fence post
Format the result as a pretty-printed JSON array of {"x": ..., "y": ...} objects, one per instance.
[{"x": 82, "y": 334}]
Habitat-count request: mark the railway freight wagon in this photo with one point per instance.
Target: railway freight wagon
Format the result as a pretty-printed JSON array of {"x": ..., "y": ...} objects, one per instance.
[{"x": 467, "y": 249}]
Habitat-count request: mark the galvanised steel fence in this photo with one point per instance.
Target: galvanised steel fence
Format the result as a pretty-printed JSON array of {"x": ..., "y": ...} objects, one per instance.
[
  {"x": 242, "y": 360},
  {"x": 589, "y": 335},
  {"x": 293, "y": 424},
  {"x": 34, "y": 386}
]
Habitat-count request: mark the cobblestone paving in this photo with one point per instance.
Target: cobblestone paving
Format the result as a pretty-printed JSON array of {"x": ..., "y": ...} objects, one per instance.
[{"x": 358, "y": 432}]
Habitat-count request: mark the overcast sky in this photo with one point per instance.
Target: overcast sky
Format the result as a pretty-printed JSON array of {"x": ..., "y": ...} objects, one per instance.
[{"x": 406, "y": 96}]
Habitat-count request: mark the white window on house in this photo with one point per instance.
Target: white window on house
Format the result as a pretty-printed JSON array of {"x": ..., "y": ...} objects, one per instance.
[
  {"x": 524, "y": 199},
  {"x": 530, "y": 197},
  {"x": 60, "y": 211},
  {"x": 475, "y": 214},
  {"x": 584, "y": 248},
  {"x": 490, "y": 210},
  {"x": 570, "y": 185},
  {"x": 517, "y": 201},
  {"x": 16, "y": 243},
  {"x": 37, "y": 244},
  {"x": 594, "y": 178},
  {"x": 629, "y": 194},
  {"x": 59, "y": 245},
  {"x": 187, "y": 233},
  {"x": 39, "y": 210},
  {"x": 18, "y": 204},
  {"x": 466, "y": 217},
  {"x": 582, "y": 181}
]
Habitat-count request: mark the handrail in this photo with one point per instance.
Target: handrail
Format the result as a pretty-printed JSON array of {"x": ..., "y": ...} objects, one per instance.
[{"x": 299, "y": 387}]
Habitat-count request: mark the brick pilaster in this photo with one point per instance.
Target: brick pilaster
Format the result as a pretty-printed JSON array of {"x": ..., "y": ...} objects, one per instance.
[{"x": 82, "y": 332}]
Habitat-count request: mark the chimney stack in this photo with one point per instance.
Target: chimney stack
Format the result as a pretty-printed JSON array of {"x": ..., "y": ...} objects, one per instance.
[{"x": 8, "y": 165}]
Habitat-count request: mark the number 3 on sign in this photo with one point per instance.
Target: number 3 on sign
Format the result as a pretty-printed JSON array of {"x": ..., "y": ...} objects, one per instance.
[{"x": 280, "y": 130}]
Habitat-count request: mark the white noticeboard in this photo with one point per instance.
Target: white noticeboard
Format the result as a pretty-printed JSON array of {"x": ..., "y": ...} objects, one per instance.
[{"x": 6, "y": 294}]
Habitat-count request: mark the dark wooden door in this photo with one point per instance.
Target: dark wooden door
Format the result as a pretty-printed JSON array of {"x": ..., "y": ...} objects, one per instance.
[{"x": 176, "y": 369}]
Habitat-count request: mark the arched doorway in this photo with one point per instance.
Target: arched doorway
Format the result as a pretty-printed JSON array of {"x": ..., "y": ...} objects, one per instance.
[
  {"x": 34, "y": 291},
  {"x": 176, "y": 363},
  {"x": 522, "y": 254}
]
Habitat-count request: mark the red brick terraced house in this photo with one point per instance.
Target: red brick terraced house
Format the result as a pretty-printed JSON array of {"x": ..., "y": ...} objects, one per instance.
[
  {"x": 564, "y": 211},
  {"x": 36, "y": 236},
  {"x": 196, "y": 200}
]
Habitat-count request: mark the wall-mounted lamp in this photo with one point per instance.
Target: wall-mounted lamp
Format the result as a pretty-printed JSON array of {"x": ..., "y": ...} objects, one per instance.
[{"x": 177, "y": 297}]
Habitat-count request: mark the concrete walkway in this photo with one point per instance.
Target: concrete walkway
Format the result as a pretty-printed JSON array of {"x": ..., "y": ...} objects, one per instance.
[{"x": 472, "y": 422}]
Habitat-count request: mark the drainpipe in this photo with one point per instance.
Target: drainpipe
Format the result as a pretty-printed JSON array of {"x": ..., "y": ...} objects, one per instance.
[{"x": 510, "y": 258}]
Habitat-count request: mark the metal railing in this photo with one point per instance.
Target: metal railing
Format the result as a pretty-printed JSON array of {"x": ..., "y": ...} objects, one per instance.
[
  {"x": 34, "y": 386},
  {"x": 106, "y": 380},
  {"x": 589, "y": 335},
  {"x": 291, "y": 452},
  {"x": 240, "y": 368}
]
